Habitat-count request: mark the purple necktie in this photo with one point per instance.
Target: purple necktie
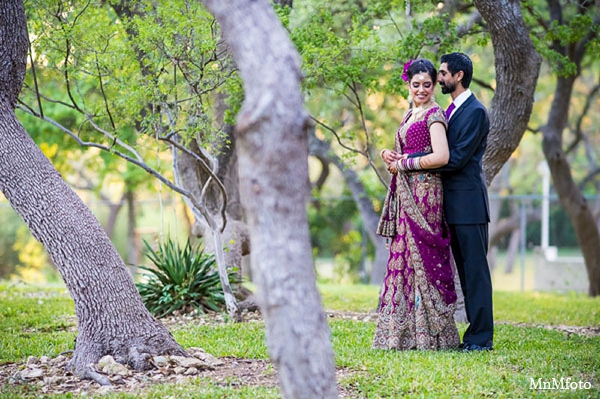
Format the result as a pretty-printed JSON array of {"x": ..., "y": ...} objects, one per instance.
[{"x": 449, "y": 110}]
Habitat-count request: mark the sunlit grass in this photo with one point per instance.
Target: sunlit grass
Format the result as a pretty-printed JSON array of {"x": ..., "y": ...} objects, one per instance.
[
  {"x": 34, "y": 322},
  {"x": 30, "y": 327},
  {"x": 547, "y": 308}
]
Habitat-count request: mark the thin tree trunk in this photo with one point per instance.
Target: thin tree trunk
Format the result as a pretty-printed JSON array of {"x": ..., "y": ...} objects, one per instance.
[
  {"x": 512, "y": 251},
  {"x": 111, "y": 316},
  {"x": 569, "y": 194},
  {"x": 370, "y": 218},
  {"x": 133, "y": 253},
  {"x": 113, "y": 213},
  {"x": 235, "y": 235},
  {"x": 495, "y": 207},
  {"x": 272, "y": 147},
  {"x": 189, "y": 171}
]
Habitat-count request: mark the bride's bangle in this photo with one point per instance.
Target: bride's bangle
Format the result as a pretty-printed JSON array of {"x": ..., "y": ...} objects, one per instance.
[
  {"x": 409, "y": 164},
  {"x": 381, "y": 152}
]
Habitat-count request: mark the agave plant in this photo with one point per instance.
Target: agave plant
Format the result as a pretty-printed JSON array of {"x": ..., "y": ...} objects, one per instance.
[{"x": 181, "y": 279}]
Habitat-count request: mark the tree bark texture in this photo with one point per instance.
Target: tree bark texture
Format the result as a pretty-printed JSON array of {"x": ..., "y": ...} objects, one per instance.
[
  {"x": 272, "y": 148},
  {"x": 111, "y": 316},
  {"x": 517, "y": 69}
]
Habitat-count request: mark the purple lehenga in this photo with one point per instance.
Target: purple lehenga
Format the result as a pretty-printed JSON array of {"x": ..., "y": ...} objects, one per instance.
[{"x": 418, "y": 297}]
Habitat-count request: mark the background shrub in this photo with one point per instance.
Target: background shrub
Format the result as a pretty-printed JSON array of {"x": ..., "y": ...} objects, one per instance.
[{"x": 182, "y": 279}]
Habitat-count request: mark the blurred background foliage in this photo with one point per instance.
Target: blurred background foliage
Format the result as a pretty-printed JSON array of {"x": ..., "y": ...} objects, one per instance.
[{"x": 352, "y": 56}]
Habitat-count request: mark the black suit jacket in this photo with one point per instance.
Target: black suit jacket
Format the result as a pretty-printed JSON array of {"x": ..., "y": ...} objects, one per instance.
[{"x": 465, "y": 189}]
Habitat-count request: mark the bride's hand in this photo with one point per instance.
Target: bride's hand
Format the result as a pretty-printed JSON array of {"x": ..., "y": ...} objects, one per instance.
[
  {"x": 390, "y": 156},
  {"x": 392, "y": 167}
]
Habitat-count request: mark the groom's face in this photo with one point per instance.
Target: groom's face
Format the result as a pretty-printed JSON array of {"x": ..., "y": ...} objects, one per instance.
[{"x": 446, "y": 80}]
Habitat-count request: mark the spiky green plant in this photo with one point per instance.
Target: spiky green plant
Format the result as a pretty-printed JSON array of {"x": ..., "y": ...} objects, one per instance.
[{"x": 181, "y": 279}]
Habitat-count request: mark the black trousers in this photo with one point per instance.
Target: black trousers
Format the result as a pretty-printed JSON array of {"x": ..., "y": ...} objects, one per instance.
[{"x": 469, "y": 248}]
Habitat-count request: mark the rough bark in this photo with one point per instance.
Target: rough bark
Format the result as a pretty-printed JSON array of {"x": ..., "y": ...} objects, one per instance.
[
  {"x": 272, "y": 148},
  {"x": 517, "y": 66},
  {"x": 370, "y": 218},
  {"x": 111, "y": 316}
]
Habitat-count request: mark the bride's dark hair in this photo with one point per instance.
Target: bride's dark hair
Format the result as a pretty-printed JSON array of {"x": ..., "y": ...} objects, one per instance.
[{"x": 422, "y": 65}]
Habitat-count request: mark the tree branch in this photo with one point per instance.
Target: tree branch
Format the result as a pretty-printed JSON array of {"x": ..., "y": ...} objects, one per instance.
[
  {"x": 138, "y": 160},
  {"x": 353, "y": 150},
  {"x": 212, "y": 176},
  {"x": 590, "y": 98},
  {"x": 112, "y": 122}
]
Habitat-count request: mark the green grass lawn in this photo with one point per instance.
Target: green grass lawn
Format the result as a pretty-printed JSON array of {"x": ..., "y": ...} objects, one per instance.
[{"x": 35, "y": 321}]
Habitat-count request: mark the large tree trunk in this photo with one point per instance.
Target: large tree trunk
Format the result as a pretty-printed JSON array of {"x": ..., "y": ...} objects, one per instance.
[
  {"x": 111, "y": 316},
  {"x": 272, "y": 147},
  {"x": 517, "y": 68}
]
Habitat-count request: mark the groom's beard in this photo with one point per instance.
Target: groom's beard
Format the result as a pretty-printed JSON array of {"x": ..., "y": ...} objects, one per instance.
[{"x": 447, "y": 88}]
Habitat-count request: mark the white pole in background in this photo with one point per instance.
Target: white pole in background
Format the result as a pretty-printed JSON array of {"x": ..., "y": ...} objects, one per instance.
[{"x": 545, "y": 172}]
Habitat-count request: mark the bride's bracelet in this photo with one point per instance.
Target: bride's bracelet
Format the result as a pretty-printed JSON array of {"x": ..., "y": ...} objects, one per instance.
[
  {"x": 381, "y": 153},
  {"x": 409, "y": 164}
]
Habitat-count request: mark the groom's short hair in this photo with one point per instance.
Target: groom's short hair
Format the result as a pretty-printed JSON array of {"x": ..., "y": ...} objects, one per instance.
[{"x": 459, "y": 62}]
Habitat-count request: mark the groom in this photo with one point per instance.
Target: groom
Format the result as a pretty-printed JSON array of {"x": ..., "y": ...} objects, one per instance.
[{"x": 465, "y": 198}]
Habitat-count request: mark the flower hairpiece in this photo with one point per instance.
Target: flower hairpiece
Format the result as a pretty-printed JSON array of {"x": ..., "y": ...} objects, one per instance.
[{"x": 405, "y": 70}]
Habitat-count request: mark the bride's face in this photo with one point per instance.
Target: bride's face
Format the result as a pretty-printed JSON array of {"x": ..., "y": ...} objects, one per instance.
[{"x": 421, "y": 88}]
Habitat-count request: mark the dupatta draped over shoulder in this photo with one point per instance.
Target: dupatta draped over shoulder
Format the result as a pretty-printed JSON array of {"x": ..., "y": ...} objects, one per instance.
[{"x": 418, "y": 295}]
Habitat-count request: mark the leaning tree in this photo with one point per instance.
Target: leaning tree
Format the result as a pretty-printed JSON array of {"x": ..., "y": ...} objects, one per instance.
[
  {"x": 272, "y": 147},
  {"x": 112, "y": 320},
  {"x": 271, "y": 132},
  {"x": 572, "y": 38}
]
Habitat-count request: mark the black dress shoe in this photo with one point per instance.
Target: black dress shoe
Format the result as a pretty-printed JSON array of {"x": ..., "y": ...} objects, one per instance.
[{"x": 475, "y": 348}]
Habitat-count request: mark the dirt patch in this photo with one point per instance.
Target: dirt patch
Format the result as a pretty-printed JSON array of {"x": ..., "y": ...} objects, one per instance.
[{"x": 51, "y": 377}]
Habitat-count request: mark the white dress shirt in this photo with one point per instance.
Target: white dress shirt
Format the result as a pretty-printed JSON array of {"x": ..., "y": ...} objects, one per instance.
[{"x": 458, "y": 101}]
